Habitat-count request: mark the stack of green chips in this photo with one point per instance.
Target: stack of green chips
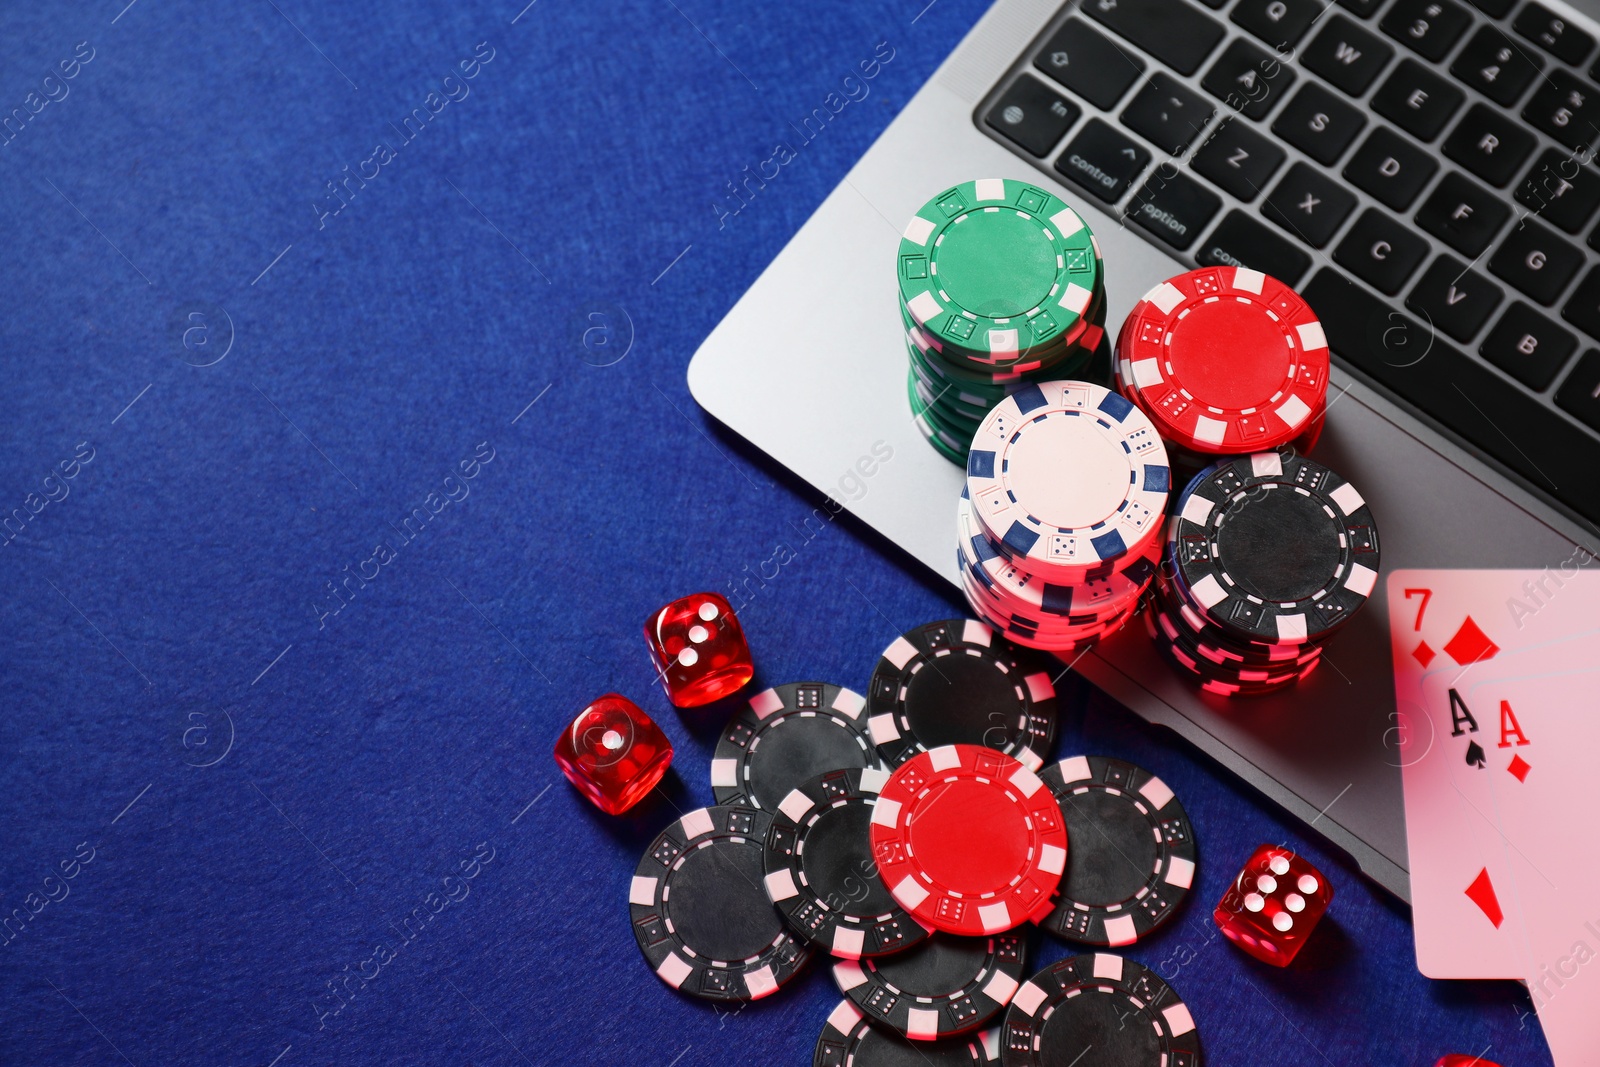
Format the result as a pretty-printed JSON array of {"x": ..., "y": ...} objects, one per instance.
[{"x": 1000, "y": 283}]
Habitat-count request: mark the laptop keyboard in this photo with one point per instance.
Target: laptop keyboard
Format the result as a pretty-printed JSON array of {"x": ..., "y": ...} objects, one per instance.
[{"x": 1420, "y": 169}]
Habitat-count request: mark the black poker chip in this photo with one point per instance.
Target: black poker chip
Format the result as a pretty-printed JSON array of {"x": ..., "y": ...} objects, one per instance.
[
  {"x": 820, "y": 872},
  {"x": 960, "y": 682},
  {"x": 786, "y": 735},
  {"x": 700, "y": 914},
  {"x": 1274, "y": 547},
  {"x": 946, "y": 985},
  {"x": 1131, "y": 860},
  {"x": 1225, "y": 658},
  {"x": 1098, "y": 1010},
  {"x": 849, "y": 1040}
]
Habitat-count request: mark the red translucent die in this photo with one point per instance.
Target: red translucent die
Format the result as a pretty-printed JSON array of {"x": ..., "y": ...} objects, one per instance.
[
  {"x": 1456, "y": 1059},
  {"x": 1274, "y": 904},
  {"x": 614, "y": 753},
  {"x": 699, "y": 649}
]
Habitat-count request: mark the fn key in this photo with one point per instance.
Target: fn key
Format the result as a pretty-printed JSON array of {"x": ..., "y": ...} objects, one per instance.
[{"x": 1032, "y": 115}]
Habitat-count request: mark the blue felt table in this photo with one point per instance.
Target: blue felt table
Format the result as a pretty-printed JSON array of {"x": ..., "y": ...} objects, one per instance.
[{"x": 227, "y": 792}]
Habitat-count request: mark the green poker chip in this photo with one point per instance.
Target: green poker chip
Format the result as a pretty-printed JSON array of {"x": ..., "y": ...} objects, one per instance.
[
  {"x": 996, "y": 269},
  {"x": 945, "y": 361},
  {"x": 946, "y": 443}
]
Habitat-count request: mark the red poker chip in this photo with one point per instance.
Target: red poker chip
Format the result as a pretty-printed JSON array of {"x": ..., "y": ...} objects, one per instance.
[
  {"x": 1225, "y": 360},
  {"x": 969, "y": 841}
]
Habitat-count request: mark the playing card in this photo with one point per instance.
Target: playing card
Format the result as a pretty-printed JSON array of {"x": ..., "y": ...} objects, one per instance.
[{"x": 1486, "y": 665}]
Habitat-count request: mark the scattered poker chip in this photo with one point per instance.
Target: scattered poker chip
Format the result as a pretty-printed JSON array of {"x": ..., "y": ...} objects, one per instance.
[
  {"x": 820, "y": 873},
  {"x": 942, "y": 987},
  {"x": 969, "y": 840},
  {"x": 849, "y": 1040},
  {"x": 1067, "y": 474},
  {"x": 994, "y": 268},
  {"x": 957, "y": 682},
  {"x": 785, "y": 735},
  {"x": 1225, "y": 360},
  {"x": 1274, "y": 549},
  {"x": 700, "y": 914},
  {"x": 1098, "y": 1009},
  {"x": 1132, "y": 856}
]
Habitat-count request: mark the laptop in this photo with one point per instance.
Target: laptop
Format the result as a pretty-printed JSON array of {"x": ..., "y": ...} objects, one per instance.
[{"x": 1419, "y": 169}]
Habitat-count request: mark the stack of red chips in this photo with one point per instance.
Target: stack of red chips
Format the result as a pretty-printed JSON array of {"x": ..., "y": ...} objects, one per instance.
[{"x": 1225, "y": 361}]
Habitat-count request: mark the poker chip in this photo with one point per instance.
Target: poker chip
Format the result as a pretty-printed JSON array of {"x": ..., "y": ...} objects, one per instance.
[
  {"x": 849, "y": 1040},
  {"x": 1274, "y": 549},
  {"x": 820, "y": 872},
  {"x": 969, "y": 840},
  {"x": 1060, "y": 520},
  {"x": 958, "y": 682},
  {"x": 1000, "y": 282},
  {"x": 1132, "y": 856},
  {"x": 1225, "y": 360},
  {"x": 784, "y": 736},
  {"x": 1067, "y": 475},
  {"x": 942, "y": 987},
  {"x": 995, "y": 268},
  {"x": 1028, "y": 626},
  {"x": 1096, "y": 598},
  {"x": 699, "y": 912},
  {"x": 1098, "y": 1009}
]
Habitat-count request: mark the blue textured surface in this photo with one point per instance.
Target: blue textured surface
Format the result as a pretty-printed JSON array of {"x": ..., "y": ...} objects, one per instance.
[{"x": 167, "y": 604}]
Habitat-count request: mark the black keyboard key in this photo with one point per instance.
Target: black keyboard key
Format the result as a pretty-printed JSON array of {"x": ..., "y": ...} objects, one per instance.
[
  {"x": 1429, "y": 27},
  {"x": 1493, "y": 8},
  {"x": 1553, "y": 33},
  {"x": 1215, "y": 5},
  {"x": 1390, "y": 167},
  {"x": 1486, "y": 410},
  {"x": 1309, "y": 204},
  {"x": 1103, "y": 160},
  {"x": 1579, "y": 395},
  {"x": 1241, "y": 241},
  {"x": 1528, "y": 346},
  {"x": 1417, "y": 99},
  {"x": 1561, "y": 190},
  {"x": 1033, "y": 115},
  {"x": 1456, "y": 300},
  {"x": 1174, "y": 206},
  {"x": 1583, "y": 309},
  {"x": 1463, "y": 214},
  {"x": 1174, "y": 31},
  {"x": 1319, "y": 123},
  {"x": 1347, "y": 54},
  {"x": 1490, "y": 144},
  {"x": 1248, "y": 79},
  {"x": 1089, "y": 63},
  {"x": 1363, "y": 8},
  {"x": 1238, "y": 159},
  {"x": 1567, "y": 108},
  {"x": 1280, "y": 23},
  {"x": 1534, "y": 259},
  {"x": 1496, "y": 66},
  {"x": 1168, "y": 113},
  {"x": 1380, "y": 251}
]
